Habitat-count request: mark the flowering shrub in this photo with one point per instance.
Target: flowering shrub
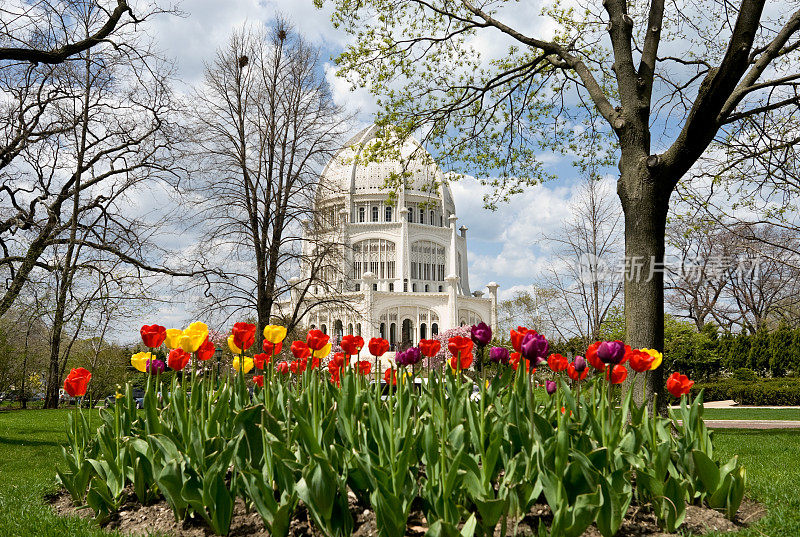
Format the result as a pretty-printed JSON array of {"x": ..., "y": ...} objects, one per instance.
[{"x": 298, "y": 431}]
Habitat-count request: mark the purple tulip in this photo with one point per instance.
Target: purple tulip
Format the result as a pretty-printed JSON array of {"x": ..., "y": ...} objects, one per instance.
[
  {"x": 550, "y": 386},
  {"x": 481, "y": 334},
  {"x": 411, "y": 356},
  {"x": 499, "y": 355},
  {"x": 155, "y": 367},
  {"x": 611, "y": 352},
  {"x": 534, "y": 347},
  {"x": 579, "y": 364}
]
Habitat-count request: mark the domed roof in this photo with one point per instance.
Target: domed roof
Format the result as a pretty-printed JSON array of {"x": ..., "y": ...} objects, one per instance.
[{"x": 348, "y": 172}]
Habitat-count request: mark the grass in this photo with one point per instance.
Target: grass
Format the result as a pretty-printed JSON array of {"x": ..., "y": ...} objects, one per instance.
[
  {"x": 29, "y": 449},
  {"x": 790, "y": 414}
]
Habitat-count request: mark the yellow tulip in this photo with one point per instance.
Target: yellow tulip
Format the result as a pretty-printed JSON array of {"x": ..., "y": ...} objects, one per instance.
[
  {"x": 174, "y": 338},
  {"x": 140, "y": 359},
  {"x": 655, "y": 354},
  {"x": 274, "y": 333},
  {"x": 194, "y": 336},
  {"x": 242, "y": 365},
  {"x": 323, "y": 352},
  {"x": 232, "y": 346}
]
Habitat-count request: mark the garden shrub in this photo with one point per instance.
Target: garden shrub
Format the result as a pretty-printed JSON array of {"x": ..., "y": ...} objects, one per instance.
[
  {"x": 586, "y": 449},
  {"x": 762, "y": 392}
]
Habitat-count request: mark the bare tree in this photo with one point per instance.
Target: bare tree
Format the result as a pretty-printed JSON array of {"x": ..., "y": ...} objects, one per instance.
[
  {"x": 266, "y": 125},
  {"x": 584, "y": 279},
  {"x": 663, "y": 81},
  {"x": 697, "y": 281},
  {"x": 42, "y": 32},
  {"x": 79, "y": 182},
  {"x": 125, "y": 142},
  {"x": 525, "y": 308}
]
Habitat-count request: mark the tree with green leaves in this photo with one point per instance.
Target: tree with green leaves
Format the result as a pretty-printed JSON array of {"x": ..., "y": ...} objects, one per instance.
[
  {"x": 650, "y": 84},
  {"x": 759, "y": 357},
  {"x": 739, "y": 352},
  {"x": 780, "y": 348}
]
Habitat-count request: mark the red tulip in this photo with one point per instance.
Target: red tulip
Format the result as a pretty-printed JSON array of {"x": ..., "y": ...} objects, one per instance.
[
  {"x": 364, "y": 367},
  {"x": 430, "y": 347},
  {"x": 153, "y": 335},
  {"x": 378, "y": 346},
  {"x": 514, "y": 360},
  {"x": 618, "y": 374},
  {"x": 300, "y": 350},
  {"x": 177, "y": 359},
  {"x": 679, "y": 384},
  {"x": 517, "y": 337},
  {"x": 390, "y": 373},
  {"x": 271, "y": 349},
  {"x": 640, "y": 360},
  {"x": 244, "y": 335},
  {"x": 459, "y": 344},
  {"x": 574, "y": 374},
  {"x": 205, "y": 351},
  {"x": 283, "y": 368},
  {"x": 352, "y": 344},
  {"x": 77, "y": 381},
  {"x": 335, "y": 366},
  {"x": 258, "y": 380},
  {"x": 261, "y": 360},
  {"x": 316, "y": 339},
  {"x": 298, "y": 366},
  {"x": 557, "y": 362},
  {"x": 592, "y": 358},
  {"x": 464, "y": 362}
]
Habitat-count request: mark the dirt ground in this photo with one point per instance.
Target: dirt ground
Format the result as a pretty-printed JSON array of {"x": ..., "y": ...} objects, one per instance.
[{"x": 136, "y": 519}]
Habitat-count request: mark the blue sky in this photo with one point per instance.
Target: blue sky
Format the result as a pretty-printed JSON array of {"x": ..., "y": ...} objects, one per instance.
[{"x": 506, "y": 246}]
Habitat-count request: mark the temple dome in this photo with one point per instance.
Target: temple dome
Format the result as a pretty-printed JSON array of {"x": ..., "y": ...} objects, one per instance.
[{"x": 347, "y": 173}]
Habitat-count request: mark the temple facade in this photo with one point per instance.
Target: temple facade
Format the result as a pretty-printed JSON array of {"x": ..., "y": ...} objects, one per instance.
[{"x": 402, "y": 269}]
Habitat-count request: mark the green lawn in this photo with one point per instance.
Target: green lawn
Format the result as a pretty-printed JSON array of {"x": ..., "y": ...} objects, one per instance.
[
  {"x": 792, "y": 414},
  {"x": 29, "y": 450}
]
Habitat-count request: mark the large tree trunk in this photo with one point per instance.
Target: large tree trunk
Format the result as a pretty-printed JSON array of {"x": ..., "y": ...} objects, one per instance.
[{"x": 645, "y": 204}]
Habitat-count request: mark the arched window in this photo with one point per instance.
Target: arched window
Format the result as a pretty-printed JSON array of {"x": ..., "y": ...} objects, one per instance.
[
  {"x": 338, "y": 330},
  {"x": 413, "y": 287},
  {"x": 432, "y": 221},
  {"x": 383, "y": 330},
  {"x": 391, "y": 286},
  {"x": 324, "y": 328},
  {"x": 388, "y": 214},
  {"x": 423, "y": 333},
  {"x": 393, "y": 333},
  {"x": 358, "y": 329},
  {"x": 427, "y": 287},
  {"x": 374, "y": 214},
  {"x": 410, "y": 214},
  {"x": 435, "y": 329},
  {"x": 350, "y": 328},
  {"x": 427, "y": 261},
  {"x": 376, "y": 256},
  {"x": 422, "y": 216},
  {"x": 361, "y": 214}
]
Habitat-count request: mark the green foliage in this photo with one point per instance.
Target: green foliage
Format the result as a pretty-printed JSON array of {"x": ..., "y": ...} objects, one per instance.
[
  {"x": 465, "y": 460},
  {"x": 766, "y": 392},
  {"x": 739, "y": 352},
  {"x": 759, "y": 357},
  {"x": 780, "y": 347}
]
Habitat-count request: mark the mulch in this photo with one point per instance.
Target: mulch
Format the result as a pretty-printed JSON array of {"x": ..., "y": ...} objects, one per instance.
[{"x": 136, "y": 519}]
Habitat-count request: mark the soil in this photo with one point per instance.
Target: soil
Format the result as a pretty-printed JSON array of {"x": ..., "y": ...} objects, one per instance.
[{"x": 136, "y": 519}]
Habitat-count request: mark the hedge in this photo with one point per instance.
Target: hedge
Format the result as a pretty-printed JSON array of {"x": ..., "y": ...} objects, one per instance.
[{"x": 766, "y": 392}]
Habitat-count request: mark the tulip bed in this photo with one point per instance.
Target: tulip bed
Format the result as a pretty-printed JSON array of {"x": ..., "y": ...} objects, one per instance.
[{"x": 471, "y": 464}]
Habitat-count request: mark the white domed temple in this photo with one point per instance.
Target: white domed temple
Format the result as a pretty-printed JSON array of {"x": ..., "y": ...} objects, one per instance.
[{"x": 403, "y": 264}]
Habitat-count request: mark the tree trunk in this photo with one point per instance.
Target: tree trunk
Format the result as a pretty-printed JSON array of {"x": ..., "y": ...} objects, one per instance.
[{"x": 645, "y": 205}]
